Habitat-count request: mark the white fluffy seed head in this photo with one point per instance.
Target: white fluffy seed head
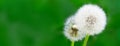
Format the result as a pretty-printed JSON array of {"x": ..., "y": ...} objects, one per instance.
[
  {"x": 90, "y": 19},
  {"x": 71, "y": 30}
]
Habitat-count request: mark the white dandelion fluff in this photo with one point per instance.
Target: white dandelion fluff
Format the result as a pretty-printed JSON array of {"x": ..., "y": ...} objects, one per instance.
[
  {"x": 90, "y": 19},
  {"x": 71, "y": 30}
]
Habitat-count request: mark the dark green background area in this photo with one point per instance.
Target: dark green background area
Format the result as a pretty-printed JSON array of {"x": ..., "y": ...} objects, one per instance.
[{"x": 41, "y": 22}]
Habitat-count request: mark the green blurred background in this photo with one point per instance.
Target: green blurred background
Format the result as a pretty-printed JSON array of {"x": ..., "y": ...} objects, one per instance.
[{"x": 41, "y": 22}]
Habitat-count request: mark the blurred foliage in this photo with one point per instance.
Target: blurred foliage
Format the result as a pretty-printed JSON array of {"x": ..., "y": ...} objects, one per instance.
[{"x": 41, "y": 22}]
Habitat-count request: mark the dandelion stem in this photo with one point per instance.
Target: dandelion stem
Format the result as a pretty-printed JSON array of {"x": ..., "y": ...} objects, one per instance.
[
  {"x": 72, "y": 44},
  {"x": 86, "y": 40}
]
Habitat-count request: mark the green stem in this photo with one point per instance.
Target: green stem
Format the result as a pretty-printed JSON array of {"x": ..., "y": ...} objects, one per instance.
[
  {"x": 86, "y": 40},
  {"x": 72, "y": 44}
]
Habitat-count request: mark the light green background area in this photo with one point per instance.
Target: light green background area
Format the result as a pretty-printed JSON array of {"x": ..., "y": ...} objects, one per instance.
[{"x": 41, "y": 22}]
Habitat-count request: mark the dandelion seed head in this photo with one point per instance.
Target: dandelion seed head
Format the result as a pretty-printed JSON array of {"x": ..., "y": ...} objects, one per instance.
[
  {"x": 71, "y": 30},
  {"x": 90, "y": 19}
]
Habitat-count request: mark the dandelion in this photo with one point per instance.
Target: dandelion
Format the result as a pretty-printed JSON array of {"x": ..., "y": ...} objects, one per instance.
[
  {"x": 90, "y": 19},
  {"x": 71, "y": 31}
]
